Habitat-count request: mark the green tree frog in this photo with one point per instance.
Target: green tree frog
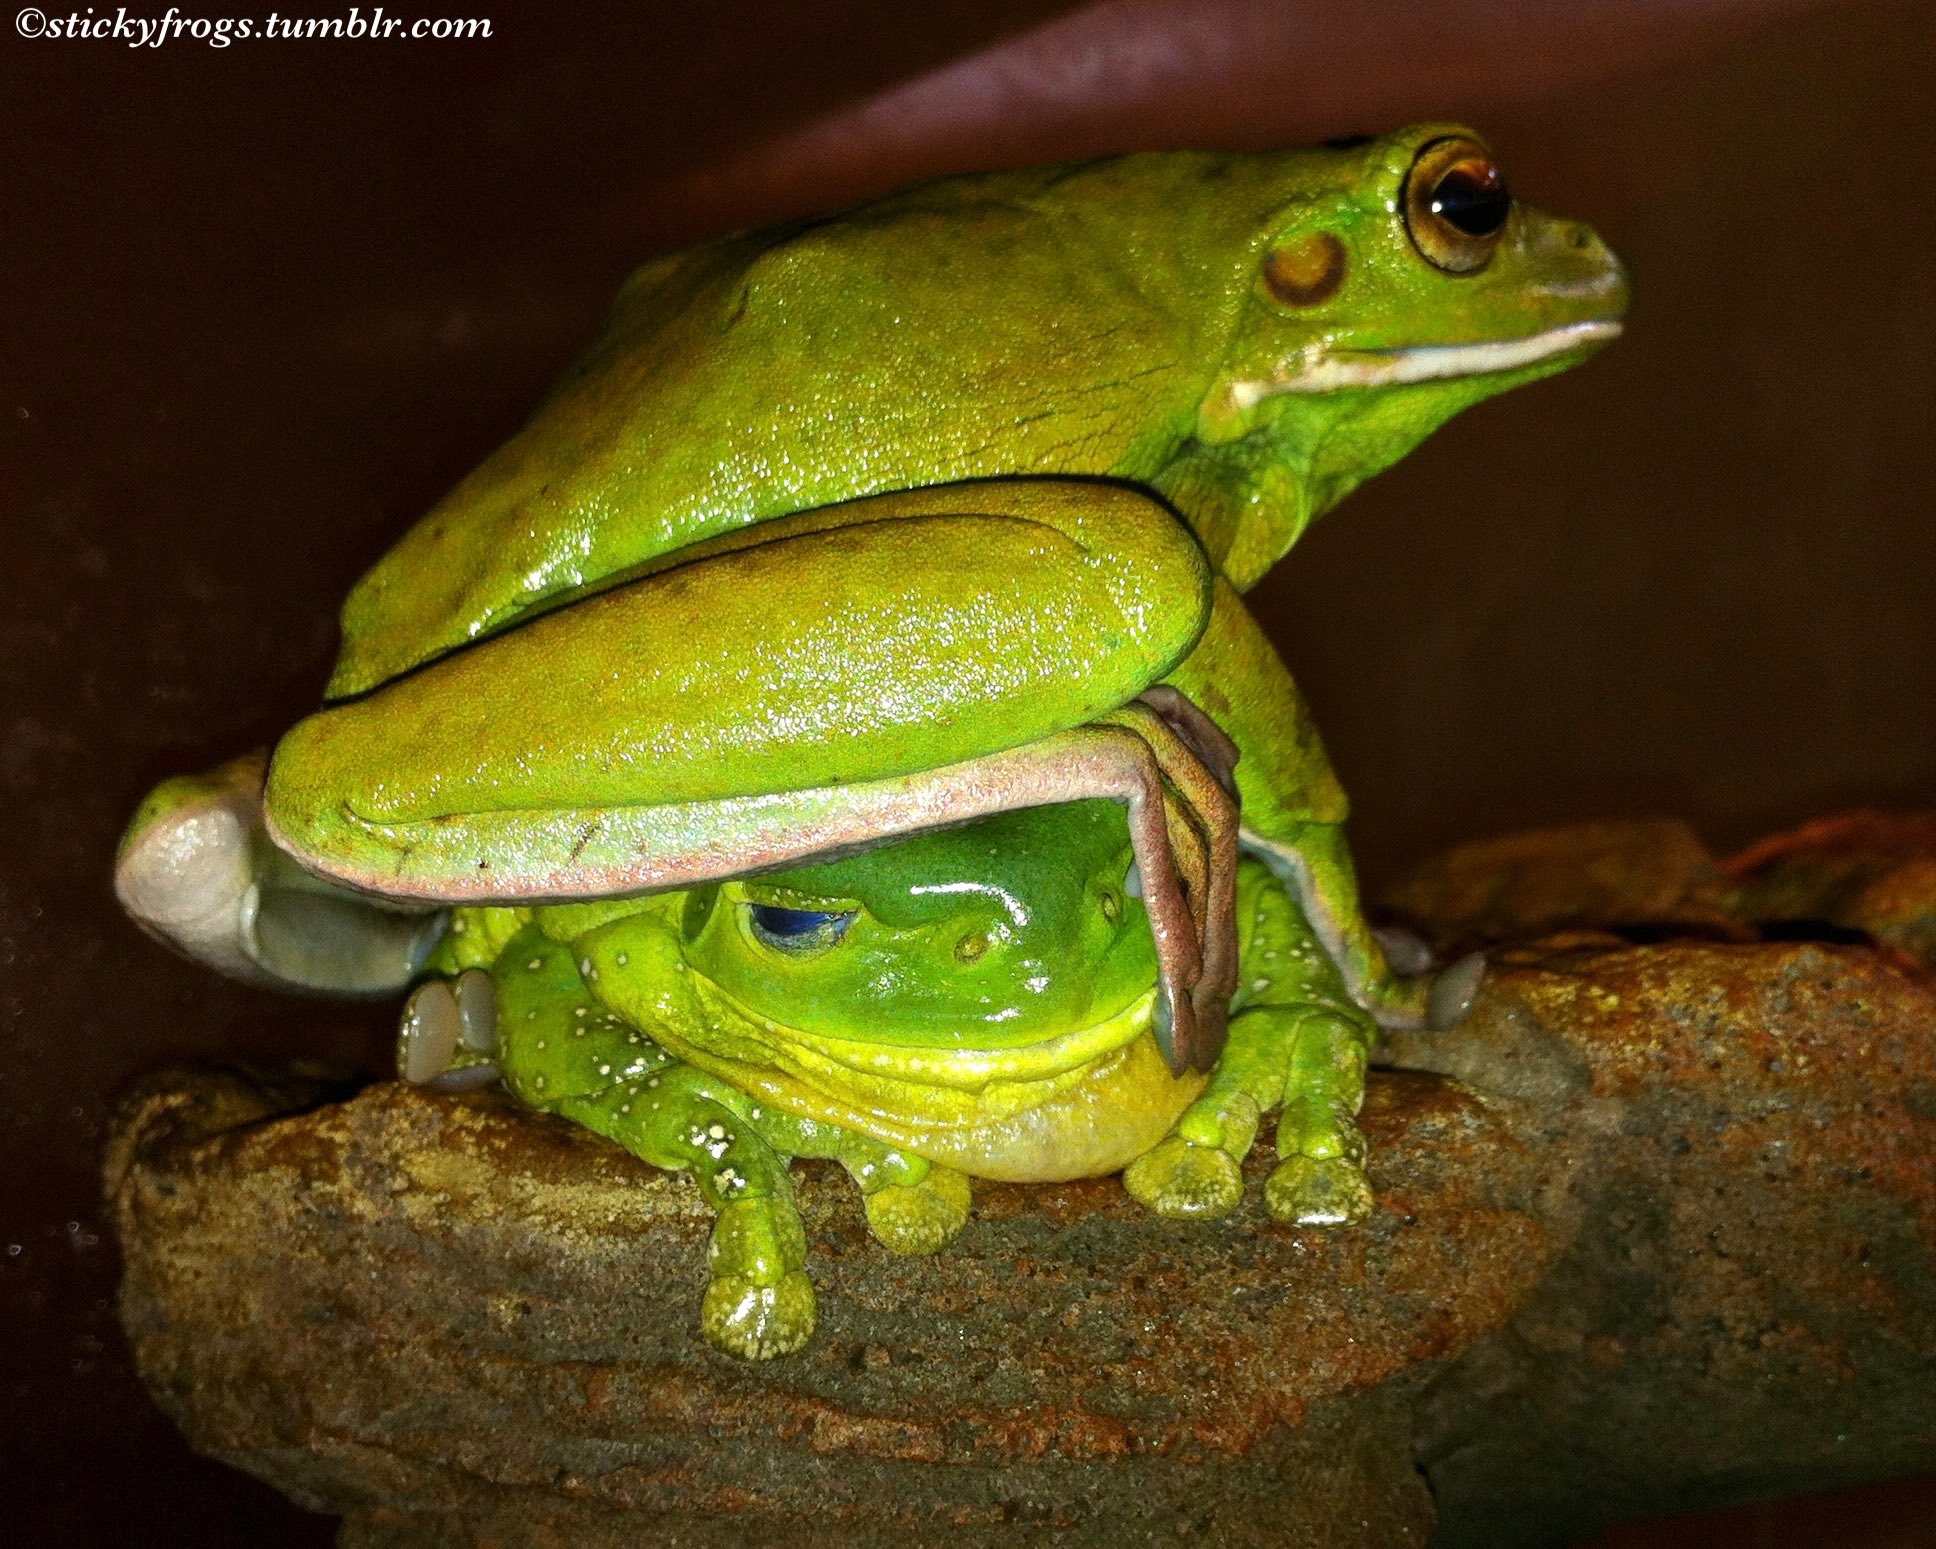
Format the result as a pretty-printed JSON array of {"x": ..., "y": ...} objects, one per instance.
[
  {"x": 976, "y": 1002},
  {"x": 869, "y": 526}
]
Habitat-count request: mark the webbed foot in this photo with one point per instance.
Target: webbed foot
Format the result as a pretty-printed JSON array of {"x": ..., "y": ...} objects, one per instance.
[{"x": 921, "y": 1217}]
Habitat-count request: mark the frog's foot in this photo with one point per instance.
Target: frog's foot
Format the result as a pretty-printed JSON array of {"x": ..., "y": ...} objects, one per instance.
[
  {"x": 1453, "y": 991},
  {"x": 1184, "y": 828},
  {"x": 1438, "y": 1001},
  {"x": 759, "y": 1302},
  {"x": 1326, "y": 1189},
  {"x": 1197, "y": 1170},
  {"x": 448, "y": 1033},
  {"x": 196, "y": 870},
  {"x": 1181, "y": 1179},
  {"x": 920, "y": 1217}
]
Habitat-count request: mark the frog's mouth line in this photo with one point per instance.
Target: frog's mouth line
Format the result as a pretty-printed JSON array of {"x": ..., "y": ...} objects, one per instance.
[
  {"x": 1321, "y": 369},
  {"x": 809, "y": 1055}
]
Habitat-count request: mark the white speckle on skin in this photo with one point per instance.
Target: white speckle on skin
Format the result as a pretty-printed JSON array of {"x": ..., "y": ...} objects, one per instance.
[
  {"x": 717, "y": 1132},
  {"x": 535, "y": 964},
  {"x": 623, "y": 958}
]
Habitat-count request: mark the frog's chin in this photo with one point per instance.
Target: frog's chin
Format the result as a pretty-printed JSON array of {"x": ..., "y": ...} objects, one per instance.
[
  {"x": 1080, "y": 1105},
  {"x": 1075, "y": 1105},
  {"x": 962, "y": 1068},
  {"x": 1324, "y": 368}
]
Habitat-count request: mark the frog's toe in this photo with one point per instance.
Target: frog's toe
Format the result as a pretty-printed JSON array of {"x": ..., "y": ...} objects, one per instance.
[
  {"x": 428, "y": 1032},
  {"x": 1180, "y": 1178},
  {"x": 1454, "y": 991},
  {"x": 444, "y": 1029},
  {"x": 1319, "y": 1191},
  {"x": 749, "y": 1320},
  {"x": 923, "y": 1217}
]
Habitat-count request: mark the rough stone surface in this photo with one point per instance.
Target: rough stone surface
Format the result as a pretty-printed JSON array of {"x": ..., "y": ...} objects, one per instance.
[
  {"x": 1644, "y": 876},
  {"x": 1867, "y": 872},
  {"x": 418, "y": 1309},
  {"x": 1655, "y": 1232}
]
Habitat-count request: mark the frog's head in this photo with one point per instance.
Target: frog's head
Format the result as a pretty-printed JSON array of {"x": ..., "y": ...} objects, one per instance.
[
  {"x": 1016, "y": 933},
  {"x": 1392, "y": 283}
]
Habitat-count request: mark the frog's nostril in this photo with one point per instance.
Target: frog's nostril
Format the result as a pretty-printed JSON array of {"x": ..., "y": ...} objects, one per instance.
[
  {"x": 971, "y": 946},
  {"x": 1112, "y": 905}
]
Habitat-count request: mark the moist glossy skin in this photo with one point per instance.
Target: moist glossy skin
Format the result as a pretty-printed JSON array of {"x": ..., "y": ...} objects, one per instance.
[
  {"x": 870, "y": 526},
  {"x": 860, "y": 500},
  {"x": 974, "y": 1003}
]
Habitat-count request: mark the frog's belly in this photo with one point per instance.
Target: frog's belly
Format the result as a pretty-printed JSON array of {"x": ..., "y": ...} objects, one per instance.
[{"x": 1108, "y": 1115}]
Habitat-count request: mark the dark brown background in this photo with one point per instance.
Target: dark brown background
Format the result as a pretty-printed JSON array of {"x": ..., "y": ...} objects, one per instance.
[{"x": 262, "y": 304}]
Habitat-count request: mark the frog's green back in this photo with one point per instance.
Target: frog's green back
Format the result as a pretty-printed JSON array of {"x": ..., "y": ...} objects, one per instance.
[{"x": 949, "y": 332}]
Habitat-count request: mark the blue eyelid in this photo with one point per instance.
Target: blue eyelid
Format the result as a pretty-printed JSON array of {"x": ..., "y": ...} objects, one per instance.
[{"x": 799, "y": 930}]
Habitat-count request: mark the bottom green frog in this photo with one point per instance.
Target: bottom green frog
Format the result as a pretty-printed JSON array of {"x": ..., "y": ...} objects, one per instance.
[{"x": 970, "y": 1003}]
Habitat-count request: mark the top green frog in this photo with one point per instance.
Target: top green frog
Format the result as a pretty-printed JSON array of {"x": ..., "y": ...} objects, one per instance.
[{"x": 866, "y": 524}]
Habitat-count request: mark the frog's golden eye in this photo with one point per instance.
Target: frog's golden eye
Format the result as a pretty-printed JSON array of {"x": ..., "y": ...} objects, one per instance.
[{"x": 1456, "y": 204}]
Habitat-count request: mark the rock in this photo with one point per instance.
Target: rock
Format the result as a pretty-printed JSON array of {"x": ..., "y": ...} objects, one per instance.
[
  {"x": 1873, "y": 873},
  {"x": 1655, "y": 1232},
  {"x": 1743, "y": 1142},
  {"x": 458, "y": 1324},
  {"x": 1643, "y": 876}
]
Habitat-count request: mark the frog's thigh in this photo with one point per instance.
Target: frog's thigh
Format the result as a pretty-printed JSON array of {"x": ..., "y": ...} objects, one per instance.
[
  {"x": 872, "y": 639},
  {"x": 759, "y": 1301}
]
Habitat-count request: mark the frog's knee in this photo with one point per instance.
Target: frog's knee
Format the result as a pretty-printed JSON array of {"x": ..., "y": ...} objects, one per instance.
[
  {"x": 920, "y": 1217},
  {"x": 1181, "y": 1179}
]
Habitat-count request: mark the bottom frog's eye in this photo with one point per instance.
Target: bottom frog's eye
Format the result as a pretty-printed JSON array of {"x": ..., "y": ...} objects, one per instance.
[{"x": 799, "y": 931}]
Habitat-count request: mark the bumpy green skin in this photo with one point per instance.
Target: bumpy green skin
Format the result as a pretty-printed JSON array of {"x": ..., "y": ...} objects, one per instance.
[
  {"x": 999, "y": 940},
  {"x": 762, "y": 543},
  {"x": 829, "y": 512}
]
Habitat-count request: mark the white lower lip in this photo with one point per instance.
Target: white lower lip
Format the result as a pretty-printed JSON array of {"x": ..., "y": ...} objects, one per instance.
[{"x": 1318, "y": 370}]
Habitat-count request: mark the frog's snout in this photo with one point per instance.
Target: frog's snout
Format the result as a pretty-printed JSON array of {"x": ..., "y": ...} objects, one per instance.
[{"x": 1578, "y": 269}]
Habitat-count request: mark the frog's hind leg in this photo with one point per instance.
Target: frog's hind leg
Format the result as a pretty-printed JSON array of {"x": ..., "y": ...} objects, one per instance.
[
  {"x": 1298, "y": 1043},
  {"x": 677, "y": 728},
  {"x": 196, "y": 870},
  {"x": 758, "y": 1301}
]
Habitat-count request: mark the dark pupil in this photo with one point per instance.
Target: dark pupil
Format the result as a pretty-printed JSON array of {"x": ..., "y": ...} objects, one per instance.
[
  {"x": 1473, "y": 197},
  {"x": 789, "y": 924}
]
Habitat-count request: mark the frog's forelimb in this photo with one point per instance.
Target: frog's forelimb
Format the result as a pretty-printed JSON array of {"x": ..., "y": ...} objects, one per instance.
[{"x": 1299, "y": 1044}]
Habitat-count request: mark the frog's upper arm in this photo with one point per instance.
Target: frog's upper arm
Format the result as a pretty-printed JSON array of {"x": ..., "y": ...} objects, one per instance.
[{"x": 1284, "y": 779}]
